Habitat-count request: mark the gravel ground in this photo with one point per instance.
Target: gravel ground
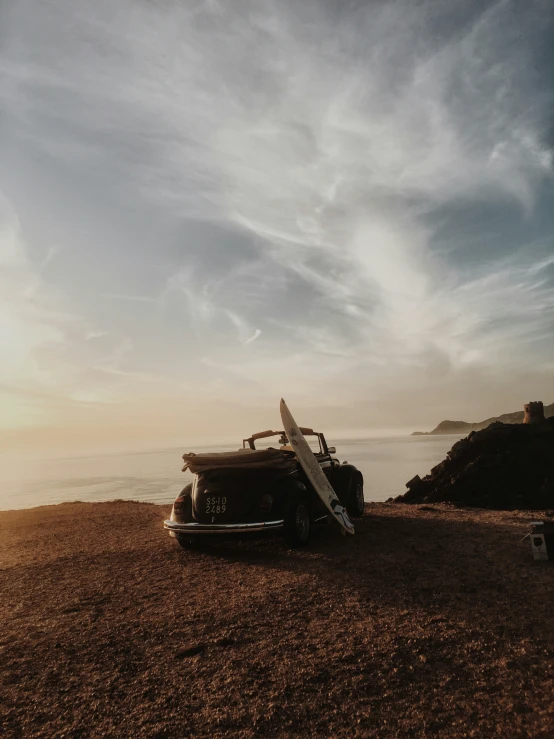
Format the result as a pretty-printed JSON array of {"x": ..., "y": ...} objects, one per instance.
[{"x": 431, "y": 621}]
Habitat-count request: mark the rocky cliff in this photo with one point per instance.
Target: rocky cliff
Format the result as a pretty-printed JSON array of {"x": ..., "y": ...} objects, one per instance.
[
  {"x": 505, "y": 466},
  {"x": 463, "y": 427}
]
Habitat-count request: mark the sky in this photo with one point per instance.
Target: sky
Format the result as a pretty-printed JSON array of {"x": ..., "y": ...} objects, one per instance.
[{"x": 208, "y": 205}]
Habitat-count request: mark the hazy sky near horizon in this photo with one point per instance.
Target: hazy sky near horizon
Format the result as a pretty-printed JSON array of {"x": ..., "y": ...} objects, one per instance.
[{"x": 207, "y": 205}]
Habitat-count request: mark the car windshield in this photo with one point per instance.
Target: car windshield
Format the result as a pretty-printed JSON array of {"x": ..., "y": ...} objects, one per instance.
[{"x": 273, "y": 441}]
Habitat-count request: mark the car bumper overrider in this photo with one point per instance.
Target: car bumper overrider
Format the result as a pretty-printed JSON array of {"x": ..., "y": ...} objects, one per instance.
[{"x": 195, "y": 529}]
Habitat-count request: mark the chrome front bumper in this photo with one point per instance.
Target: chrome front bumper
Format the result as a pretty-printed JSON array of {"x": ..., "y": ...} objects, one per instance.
[{"x": 194, "y": 529}]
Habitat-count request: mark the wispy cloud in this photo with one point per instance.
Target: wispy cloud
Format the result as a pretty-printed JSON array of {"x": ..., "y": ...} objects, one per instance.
[
  {"x": 33, "y": 320},
  {"x": 53, "y": 251},
  {"x": 96, "y": 334},
  {"x": 362, "y": 183},
  {"x": 256, "y": 335},
  {"x": 45, "y": 365}
]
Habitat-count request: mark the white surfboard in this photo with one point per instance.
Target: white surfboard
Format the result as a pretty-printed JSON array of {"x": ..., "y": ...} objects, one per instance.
[{"x": 313, "y": 471}]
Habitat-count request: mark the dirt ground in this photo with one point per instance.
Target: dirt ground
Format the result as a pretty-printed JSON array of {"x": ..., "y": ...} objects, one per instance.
[{"x": 431, "y": 621}]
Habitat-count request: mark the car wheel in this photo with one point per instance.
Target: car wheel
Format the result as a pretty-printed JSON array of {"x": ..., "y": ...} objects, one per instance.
[
  {"x": 297, "y": 526},
  {"x": 186, "y": 543},
  {"x": 355, "y": 505}
]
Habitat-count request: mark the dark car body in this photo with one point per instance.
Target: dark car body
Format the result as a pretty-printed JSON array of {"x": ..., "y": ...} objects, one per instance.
[{"x": 230, "y": 501}]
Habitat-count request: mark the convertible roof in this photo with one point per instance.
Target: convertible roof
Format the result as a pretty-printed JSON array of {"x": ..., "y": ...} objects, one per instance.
[{"x": 242, "y": 459}]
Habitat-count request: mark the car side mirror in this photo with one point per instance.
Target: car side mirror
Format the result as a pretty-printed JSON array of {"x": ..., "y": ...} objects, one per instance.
[{"x": 332, "y": 449}]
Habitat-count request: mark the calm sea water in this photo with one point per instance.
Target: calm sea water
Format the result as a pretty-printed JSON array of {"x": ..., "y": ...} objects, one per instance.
[{"x": 387, "y": 464}]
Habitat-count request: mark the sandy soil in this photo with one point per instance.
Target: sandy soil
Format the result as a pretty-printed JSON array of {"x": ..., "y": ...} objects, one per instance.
[{"x": 429, "y": 622}]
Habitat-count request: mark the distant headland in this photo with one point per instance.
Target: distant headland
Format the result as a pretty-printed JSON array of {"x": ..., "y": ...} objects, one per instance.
[{"x": 463, "y": 427}]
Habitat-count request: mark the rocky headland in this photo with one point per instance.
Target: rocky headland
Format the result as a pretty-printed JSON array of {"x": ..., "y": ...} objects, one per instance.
[
  {"x": 505, "y": 466},
  {"x": 464, "y": 427}
]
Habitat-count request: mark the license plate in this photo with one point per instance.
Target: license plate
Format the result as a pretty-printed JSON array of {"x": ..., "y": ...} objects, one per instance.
[{"x": 216, "y": 504}]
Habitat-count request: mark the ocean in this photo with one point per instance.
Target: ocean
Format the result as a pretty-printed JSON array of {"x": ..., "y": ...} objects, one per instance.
[{"x": 156, "y": 477}]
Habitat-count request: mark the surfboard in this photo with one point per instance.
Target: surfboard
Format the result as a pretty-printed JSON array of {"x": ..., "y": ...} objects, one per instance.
[{"x": 313, "y": 471}]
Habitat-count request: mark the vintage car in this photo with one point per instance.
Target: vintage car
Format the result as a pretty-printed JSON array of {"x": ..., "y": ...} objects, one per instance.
[{"x": 255, "y": 490}]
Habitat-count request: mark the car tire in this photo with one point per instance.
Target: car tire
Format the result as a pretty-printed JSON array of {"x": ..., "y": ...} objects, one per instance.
[
  {"x": 186, "y": 514},
  {"x": 185, "y": 543},
  {"x": 355, "y": 505},
  {"x": 297, "y": 523},
  {"x": 189, "y": 543}
]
